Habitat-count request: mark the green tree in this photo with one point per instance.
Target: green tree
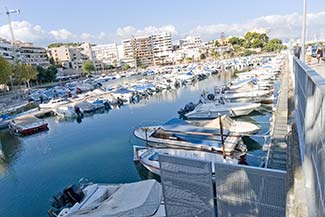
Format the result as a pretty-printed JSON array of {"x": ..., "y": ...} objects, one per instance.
[
  {"x": 274, "y": 45},
  {"x": 126, "y": 67},
  {"x": 5, "y": 71},
  {"x": 46, "y": 75},
  {"x": 255, "y": 40},
  {"x": 202, "y": 56},
  {"x": 88, "y": 67},
  {"x": 25, "y": 73},
  {"x": 216, "y": 43},
  {"x": 236, "y": 41}
]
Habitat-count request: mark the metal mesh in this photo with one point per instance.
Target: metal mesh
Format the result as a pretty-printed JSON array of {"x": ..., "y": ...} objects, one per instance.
[
  {"x": 249, "y": 191},
  {"x": 187, "y": 187},
  {"x": 310, "y": 119}
]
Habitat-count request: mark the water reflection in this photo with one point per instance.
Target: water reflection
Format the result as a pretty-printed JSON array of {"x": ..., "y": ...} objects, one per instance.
[{"x": 10, "y": 147}]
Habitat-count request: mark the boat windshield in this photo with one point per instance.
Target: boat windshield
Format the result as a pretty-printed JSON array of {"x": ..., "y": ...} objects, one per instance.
[
  {"x": 154, "y": 157},
  {"x": 161, "y": 134}
]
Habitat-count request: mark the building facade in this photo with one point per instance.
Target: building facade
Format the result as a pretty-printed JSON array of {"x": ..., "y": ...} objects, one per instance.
[
  {"x": 148, "y": 50},
  {"x": 6, "y": 50},
  {"x": 190, "y": 42},
  {"x": 162, "y": 48},
  {"x": 31, "y": 55},
  {"x": 107, "y": 53}
]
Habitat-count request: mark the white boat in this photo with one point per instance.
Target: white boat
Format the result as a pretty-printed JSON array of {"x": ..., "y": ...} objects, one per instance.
[
  {"x": 142, "y": 198},
  {"x": 53, "y": 103},
  {"x": 212, "y": 110},
  {"x": 149, "y": 157},
  {"x": 234, "y": 126},
  {"x": 85, "y": 107},
  {"x": 178, "y": 133},
  {"x": 229, "y": 95},
  {"x": 66, "y": 111}
]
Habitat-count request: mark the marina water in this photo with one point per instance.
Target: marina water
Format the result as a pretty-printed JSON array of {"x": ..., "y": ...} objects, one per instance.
[{"x": 99, "y": 148}]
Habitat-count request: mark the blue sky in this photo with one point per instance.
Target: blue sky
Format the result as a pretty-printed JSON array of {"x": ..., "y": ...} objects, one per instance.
[{"x": 107, "y": 16}]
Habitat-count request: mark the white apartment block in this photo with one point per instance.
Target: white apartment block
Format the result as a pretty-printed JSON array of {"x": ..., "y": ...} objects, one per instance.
[
  {"x": 31, "y": 55},
  {"x": 190, "y": 42},
  {"x": 24, "y": 52},
  {"x": 86, "y": 49},
  {"x": 6, "y": 50},
  {"x": 107, "y": 53},
  {"x": 162, "y": 48}
]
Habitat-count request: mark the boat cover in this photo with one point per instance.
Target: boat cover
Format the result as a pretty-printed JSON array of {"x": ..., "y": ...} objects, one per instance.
[
  {"x": 133, "y": 199},
  {"x": 191, "y": 133}
]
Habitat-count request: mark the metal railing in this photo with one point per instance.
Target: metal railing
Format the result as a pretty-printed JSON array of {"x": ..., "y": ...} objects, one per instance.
[{"x": 309, "y": 89}]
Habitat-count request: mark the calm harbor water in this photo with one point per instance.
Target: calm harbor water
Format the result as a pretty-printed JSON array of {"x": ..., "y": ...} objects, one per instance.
[{"x": 35, "y": 168}]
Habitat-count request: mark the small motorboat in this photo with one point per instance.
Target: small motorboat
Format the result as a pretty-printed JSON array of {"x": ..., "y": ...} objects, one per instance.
[
  {"x": 211, "y": 110},
  {"x": 54, "y": 103},
  {"x": 143, "y": 198},
  {"x": 66, "y": 112},
  {"x": 149, "y": 157},
  {"x": 27, "y": 125},
  {"x": 177, "y": 133}
]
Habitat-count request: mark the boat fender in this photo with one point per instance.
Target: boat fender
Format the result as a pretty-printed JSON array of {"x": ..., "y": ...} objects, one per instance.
[{"x": 210, "y": 96}]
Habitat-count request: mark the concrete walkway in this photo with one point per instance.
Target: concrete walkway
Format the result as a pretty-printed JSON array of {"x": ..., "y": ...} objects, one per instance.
[
  {"x": 319, "y": 68},
  {"x": 278, "y": 149}
]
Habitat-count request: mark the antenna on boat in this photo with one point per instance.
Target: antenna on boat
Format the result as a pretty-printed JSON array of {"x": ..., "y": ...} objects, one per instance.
[{"x": 221, "y": 134}]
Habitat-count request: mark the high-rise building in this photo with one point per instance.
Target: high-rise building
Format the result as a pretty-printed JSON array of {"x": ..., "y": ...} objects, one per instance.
[
  {"x": 148, "y": 50},
  {"x": 162, "y": 48}
]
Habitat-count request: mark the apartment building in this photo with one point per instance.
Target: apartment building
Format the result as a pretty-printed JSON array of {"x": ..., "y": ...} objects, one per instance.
[
  {"x": 6, "y": 50},
  {"x": 32, "y": 55},
  {"x": 162, "y": 48},
  {"x": 129, "y": 53},
  {"x": 148, "y": 50},
  {"x": 68, "y": 56},
  {"x": 107, "y": 53},
  {"x": 190, "y": 42}
]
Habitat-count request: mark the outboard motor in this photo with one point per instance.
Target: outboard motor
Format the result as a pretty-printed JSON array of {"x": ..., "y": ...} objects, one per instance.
[
  {"x": 189, "y": 107},
  {"x": 210, "y": 96},
  {"x": 74, "y": 194}
]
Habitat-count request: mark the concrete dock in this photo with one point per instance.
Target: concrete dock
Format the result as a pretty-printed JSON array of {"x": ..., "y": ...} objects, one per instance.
[{"x": 277, "y": 156}]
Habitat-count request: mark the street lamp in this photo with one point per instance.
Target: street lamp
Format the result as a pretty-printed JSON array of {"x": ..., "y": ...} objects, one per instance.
[{"x": 303, "y": 36}]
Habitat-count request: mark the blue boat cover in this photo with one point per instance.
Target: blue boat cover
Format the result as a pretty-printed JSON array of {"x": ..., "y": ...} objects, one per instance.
[
  {"x": 180, "y": 128},
  {"x": 123, "y": 90}
]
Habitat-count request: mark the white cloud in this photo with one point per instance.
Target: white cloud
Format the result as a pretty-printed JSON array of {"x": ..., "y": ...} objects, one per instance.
[
  {"x": 62, "y": 34},
  {"x": 128, "y": 31},
  {"x": 283, "y": 26},
  {"x": 23, "y": 31}
]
